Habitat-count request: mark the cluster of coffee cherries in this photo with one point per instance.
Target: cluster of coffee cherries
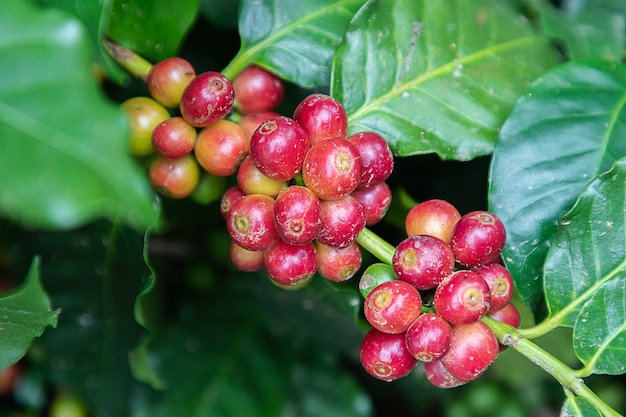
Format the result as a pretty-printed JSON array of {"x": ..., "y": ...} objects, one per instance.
[
  {"x": 426, "y": 307},
  {"x": 304, "y": 188}
]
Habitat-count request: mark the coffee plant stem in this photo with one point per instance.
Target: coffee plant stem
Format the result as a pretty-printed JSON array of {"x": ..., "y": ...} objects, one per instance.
[
  {"x": 128, "y": 60},
  {"x": 376, "y": 245},
  {"x": 566, "y": 376}
]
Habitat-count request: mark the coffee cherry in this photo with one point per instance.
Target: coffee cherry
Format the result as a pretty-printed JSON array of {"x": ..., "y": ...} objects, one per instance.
[
  {"x": 253, "y": 181},
  {"x": 168, "y": 79},
  {"x": 509, "y": 314},
  {"x": 278, "y": 148},
  {"x": 376, "y": 157},
  {"x": 221, "y": 147},
  {"x": 144, "y": 115},
  {"x": 246, "y": 260},
  {"x": 175, "y": 178},
  {"x": 424, "y": 261},
  {"x": 174, "y": 138},
  {"x": 229, "y": 197},
  {"x": 250, "y": 222},
  {"x": 473, "y": 347},
  {"x": 373, "y": 276},
  {"x": 433, "y": 218},
  {"x": 500, "y": 283},
  {"x": 257, "y": 90},
  {"x": 462, "y": 298},
  {"x": 332, "y": 168},
  {"x": 428, "y": 337},
  {"x": 385, "y": 356},
  {"x": 250, "y": 122},
  {"x": 291, "y": 265},
  {"x": 338, "y": 264},
  {"x": 439, "y": 376},
  {"x": 478, "y": 238},
  {"x": 342, "y": 221},
  {"x": 297, "y": 215},
  {"x": 393, "y": 306},
  {"x": 375, "y": 201},
  {"x": 322, "y": 117},
  {"x": 207, "y": 98}
]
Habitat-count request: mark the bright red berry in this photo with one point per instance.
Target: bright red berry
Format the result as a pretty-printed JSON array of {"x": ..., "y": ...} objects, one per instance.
[
  {"x": 229, "y": 197},
  {"x": 478, "y": 238},
  {"x": 207, "y": 98},
  {"x": 250, "y": 222},
  {"x": 376, "y": 157},
  {"x": 297, "y": 214},
  {"x": 338, "y": 264},
  {"x": 424, "y": 261},
  {"x": 439, "y": 376},
  {"x": 428, "y": 337},
  {"x": 500, "y": 284},
  {"x": 174, "y": 138},
  {"x": 342, "y": 221},
  {"x": 322, "y": 117},
  {"x": 168, "y": 79},
  {"x": 385, "y": 356},
  {"x": 174, "y": 178},
  {"x": 257, "y": 90},
  {"x": 473, "y": 348},
  {"x": 462, "y": 298},
  {"x": 393, "y": 306},
  {"x": 221, "y": 147},
  {"x": 375, "y": 201},
  {"x": 433, "y": 218},
  {"x": 291, "y": 265}
]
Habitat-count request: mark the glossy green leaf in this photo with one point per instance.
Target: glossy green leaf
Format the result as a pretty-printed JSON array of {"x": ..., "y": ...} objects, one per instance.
[
  {"x": 567, "y": 129},
  {"x": 585, "y": 273},
  {"x": 93, "y": 274},
  {"x": 154, "y": 29},
  {"x": 63, "y": 152},
  {"x": 24, "y": 315},
  {"x": 295, "y": 39},
  {"x": 94, "y": 15},
  {"x": 437, "y": 76},
  {"x": 594, "y": 32},
  {"x": 579, "y": 407}
]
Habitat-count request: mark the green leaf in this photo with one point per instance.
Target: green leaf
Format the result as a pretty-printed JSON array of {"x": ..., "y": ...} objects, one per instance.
[
  {"x": 595, "y": 32},
  {"x": 24, "y": 315},
  {"x": 94, "y": 275},
  {"x": 294, "y": 39},
  {"x": 585, "y": 273},
  {"x": 63, "y": 146},
  {"x": 437, "y": 76},
  {"x": 220, "y": 13},
  {"x": 579, "y": 407},
  {"x": 94, "y": 15},
  {"x": 566, "y": 130},
  {"x": 154, "y": 28}
]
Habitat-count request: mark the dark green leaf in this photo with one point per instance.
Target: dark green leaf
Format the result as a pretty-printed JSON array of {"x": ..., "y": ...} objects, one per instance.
[
  {"x": 579, "y": 407},
  {"x": 585, "y": 273},
  {"x": 567, "y": 129},
  {"x": 63, "y": 150},
  {"x": 24, "y": 314},
  {"x": 94, "y": 275},
  {"x": 295, "y": 39},
  {"x": 94, "y": 15},
  {"x": 591, "y": 33},
  {"x": 437, "y": 75},
  {"x": 220, "y": 12},
  {"x": 153, "y": 28}
]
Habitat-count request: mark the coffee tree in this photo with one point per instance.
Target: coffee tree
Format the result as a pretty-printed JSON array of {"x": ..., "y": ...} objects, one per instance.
[{"x": 282, "y": 208}]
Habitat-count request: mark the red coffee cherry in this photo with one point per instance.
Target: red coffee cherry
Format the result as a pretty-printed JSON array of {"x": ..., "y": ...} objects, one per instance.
[
  {"x": 168, "y": 79},
  {"x": 393, "y": 306},
  {"x": 433, "y": 218},
  {"x": 174, "y": 178},
  {"x": 174, "y": 138},
  {"x": 250, "y": 222},
  {"x": 229, "y": 197},
  {"x": 428, "y": 337},
  {"x": 297, "y": 214},
  {"x": 246, "y": 260},
  {"x": 278, "y": 148},
  {"x": 207, "y": 98},
  {"x": 439, "y": 376},
  {"x": 250, "y": 122},
  {"x": 322, "y": 117},
  {"x": 375, "y": 201},
  {"x": 221, "y": 147},
  {"x": 424, "y": 261},
  {"x": 376, "y": 157},
  {"x": 257, "y": 90},
  {"x": 462, "y": 298},
  {"x": 385, "y": 356},
  {"x": 500, "y": 284},
  {"x": 338, "y": 264},
  {"x": 332, "y": 168},
  {"x": 290, "y": 265},
  {"x": 478, "y": 238},
  {"x": 473, "y": 348},
  {"x": 342, "y": 221}
]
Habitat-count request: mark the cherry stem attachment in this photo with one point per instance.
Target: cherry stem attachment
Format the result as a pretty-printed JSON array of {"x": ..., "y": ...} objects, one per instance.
[
  {"x": 129, "y": 60},
  {"x": 567, "y": 377}
]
